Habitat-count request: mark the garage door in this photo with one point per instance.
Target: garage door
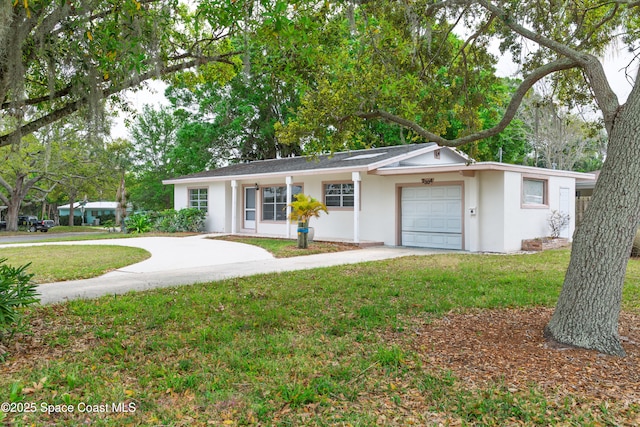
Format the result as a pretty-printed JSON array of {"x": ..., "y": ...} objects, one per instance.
[{"x": 432, "y": 216}]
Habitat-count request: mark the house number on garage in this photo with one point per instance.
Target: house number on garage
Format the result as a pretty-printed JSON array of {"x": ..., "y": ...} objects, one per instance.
[{"x": 427, "y": 181}]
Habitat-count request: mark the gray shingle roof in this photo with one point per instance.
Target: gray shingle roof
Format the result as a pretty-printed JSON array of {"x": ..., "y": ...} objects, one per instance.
[{"x": 347, "y": 159}]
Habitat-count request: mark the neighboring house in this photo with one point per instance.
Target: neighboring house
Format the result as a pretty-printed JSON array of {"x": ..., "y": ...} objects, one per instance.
[
  {"x": 585, "y": 188},
  {"x": 93, "y": 211},
  {"x": 410, "y": 195}
]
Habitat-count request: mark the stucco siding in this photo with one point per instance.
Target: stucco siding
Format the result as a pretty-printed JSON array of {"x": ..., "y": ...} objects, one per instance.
[
  {"x": 491, "y": 212},
  {"x": 528, "y": 222},
  {"x": 494, "y": 217},
  {"x": 378, "y": 214},
  {"x": 180, "y": 196},
  {"x": 216, "y": 216}
]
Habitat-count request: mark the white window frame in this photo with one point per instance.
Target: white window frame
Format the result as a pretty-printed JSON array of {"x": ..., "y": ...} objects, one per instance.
[
  {"x": 199, "y": 202},
  {"x": 279, "y": 204},
  {"x": 340, "y": 195}
]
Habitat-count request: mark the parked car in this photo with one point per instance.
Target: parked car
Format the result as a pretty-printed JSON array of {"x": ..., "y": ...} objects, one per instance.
[
  {"x": 39, "y": 225},
  {"x": 3, "y": 225},
  {"x": 26, "y": 219}
]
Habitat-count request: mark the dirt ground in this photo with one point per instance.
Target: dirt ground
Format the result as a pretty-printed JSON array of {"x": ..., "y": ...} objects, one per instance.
[{"x": 508, "y": 346}]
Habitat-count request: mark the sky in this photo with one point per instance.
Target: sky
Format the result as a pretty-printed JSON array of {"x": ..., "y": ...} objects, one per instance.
[
  {"x": 614, "y": 61},
  {"x": 153, "y": 94}
]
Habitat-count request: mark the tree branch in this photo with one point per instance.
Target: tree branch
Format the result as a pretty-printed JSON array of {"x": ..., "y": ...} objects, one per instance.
[
  {"x": 605, "y": 97},
  {"x": 74, "y": 106},
  {"x": 7, "y": 187},
  {"x": 510, "y": 112},
  {"x": 608, "y": 17},
  {"x": 560, "y": 48}
]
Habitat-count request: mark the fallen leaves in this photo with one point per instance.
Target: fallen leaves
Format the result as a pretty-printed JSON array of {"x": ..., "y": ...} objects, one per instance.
[{"x": 507, "y": 345}]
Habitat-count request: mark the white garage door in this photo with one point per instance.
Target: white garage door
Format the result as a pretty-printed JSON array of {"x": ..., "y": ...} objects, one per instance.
[{"x": 432, "y": 216}]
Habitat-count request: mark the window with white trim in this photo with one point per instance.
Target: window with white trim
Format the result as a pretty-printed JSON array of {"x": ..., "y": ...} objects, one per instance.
[
  {"x": 274, "y": 202},
  {"x": 198, "y": 198},
  {"x": 534, "y": 191},
  {"x": 339, "y": 195}
]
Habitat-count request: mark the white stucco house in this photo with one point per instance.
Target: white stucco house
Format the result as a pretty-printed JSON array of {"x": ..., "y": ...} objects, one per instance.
[{"x": 420, "y": 195}]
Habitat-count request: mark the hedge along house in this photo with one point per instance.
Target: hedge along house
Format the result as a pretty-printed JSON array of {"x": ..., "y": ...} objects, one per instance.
[{"x": 419, "y": 195}]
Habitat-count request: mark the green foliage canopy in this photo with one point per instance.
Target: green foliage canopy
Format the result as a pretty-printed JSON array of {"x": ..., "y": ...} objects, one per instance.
[{"x": 59, "y": 57}]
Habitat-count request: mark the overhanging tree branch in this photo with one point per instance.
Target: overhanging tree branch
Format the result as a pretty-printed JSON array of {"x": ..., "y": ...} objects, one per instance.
[
  {"x": 74, "y": 106},
  {"x": 510, "y": 112},
  {"x": 604, "y": 95}
]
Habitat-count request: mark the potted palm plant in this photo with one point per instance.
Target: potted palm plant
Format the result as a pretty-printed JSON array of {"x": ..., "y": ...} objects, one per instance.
[{"x": 302, "y": 210}]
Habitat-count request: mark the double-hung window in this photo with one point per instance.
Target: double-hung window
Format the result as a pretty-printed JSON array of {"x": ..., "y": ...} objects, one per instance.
[
  {"x": 274, "y": 202},
  {"x": 198, "y": 198},
  {"x": 339, "y": 195}
]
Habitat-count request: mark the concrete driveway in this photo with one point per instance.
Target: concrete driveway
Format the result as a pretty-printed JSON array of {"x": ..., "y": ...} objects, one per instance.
[
  {"x": 179, "y": 261},
  {"x": 176, "y": 253}
]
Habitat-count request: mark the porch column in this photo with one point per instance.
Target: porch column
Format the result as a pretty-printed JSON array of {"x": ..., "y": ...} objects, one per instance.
[
  {"x": 355, "y": 177},
  {"x": 234, "y": 206},
  {"x": 288, "y": 181}
]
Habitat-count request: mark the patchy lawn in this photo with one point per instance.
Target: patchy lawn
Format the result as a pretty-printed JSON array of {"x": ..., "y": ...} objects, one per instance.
[
  {"x": 283, "y": 248},
  {"x": 452, "y": 339}
]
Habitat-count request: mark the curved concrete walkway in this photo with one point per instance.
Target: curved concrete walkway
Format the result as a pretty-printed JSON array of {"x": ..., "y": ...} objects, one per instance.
[
  {"x": 179, "y": 261},
  {"x": 175, "y": 253}
]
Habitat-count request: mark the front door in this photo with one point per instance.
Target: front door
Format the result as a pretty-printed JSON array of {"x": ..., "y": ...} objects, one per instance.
[{"x": 249, "y": 208}]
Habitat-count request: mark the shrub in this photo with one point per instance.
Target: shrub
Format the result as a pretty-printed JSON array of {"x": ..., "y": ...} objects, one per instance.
[
  {"x": 165, "y": 220},
  {"x": 190, "y": 219},
  {"x": 557, "y": 222},
  {"x": 64, "y": 220},
  {"x": 138, "y": 223},
  {"x": 106, "y": 217},
  {"x": 16, "y": 290},
  {"x": 172, "y": 221}
]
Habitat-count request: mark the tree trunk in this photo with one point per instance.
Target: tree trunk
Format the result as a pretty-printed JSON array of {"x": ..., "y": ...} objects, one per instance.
[
  {"x": 588, "y": 309},
  {"x": 16, "y": 196},
  {"x": 13, "y": 211},
  {"x": 303, "y": 233},
  {"x": 121, "y": 210},
  {"x": 72, "y": 212}
]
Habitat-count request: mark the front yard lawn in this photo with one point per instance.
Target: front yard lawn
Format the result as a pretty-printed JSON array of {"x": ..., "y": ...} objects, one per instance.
[
  {"x": 283, "y": 248},
  {"x": 57, "y": 263},
  {"x": 381, "y": 343}
]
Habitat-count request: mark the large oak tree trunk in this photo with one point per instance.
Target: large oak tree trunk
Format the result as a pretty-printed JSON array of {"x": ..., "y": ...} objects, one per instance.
[
  {"x": 15, "y": 197},
  {"x": 13, "y": 211},
  {"x": 589, "y": 305}
]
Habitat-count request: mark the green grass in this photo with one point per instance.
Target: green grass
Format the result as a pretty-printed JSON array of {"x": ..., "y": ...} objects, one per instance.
[
  {"x": 283, "y": 248},
  {"x": 96, "y": 234},
  {"x": 300, "y": 348},
  {"x": 59, "y": 263},
  {"x": 75, "y": 229},
  {"x": 54, "y": 230}
]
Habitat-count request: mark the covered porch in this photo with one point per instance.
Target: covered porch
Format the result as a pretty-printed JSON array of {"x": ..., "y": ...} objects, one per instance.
[{"x": 244, "y": 212}]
